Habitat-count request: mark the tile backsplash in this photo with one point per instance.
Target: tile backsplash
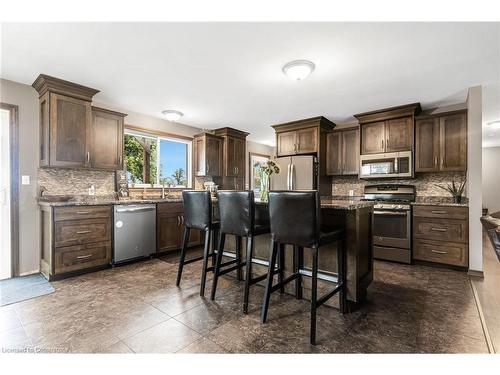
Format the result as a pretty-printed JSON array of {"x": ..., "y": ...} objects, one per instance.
[
  {"x": 425, "y": 183},
  {"x": 64, "y": 181}
]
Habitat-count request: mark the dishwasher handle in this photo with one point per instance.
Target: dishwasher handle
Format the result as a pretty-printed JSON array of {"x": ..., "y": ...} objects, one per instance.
[{"x": 136, "y": 209}]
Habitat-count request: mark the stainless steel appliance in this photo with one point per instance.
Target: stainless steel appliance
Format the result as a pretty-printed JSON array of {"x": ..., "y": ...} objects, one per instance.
[
  {"x": 296, "y": 173},
  {"x": 391, "y": 220},
  {"x": 390, "y": 164},
  {"x": 134, "y": 231}
]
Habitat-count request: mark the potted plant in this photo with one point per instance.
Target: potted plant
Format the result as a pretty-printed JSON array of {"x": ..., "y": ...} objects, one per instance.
[
  {"x": 266, "y": 170},
  {"x": 455, "y": 189}
]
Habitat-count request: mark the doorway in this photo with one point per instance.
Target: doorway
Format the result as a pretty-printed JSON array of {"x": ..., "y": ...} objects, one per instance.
[{"x": 9, "y": 191}]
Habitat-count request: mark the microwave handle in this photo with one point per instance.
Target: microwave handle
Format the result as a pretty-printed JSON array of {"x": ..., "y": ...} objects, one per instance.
[{"x": 396, "y": 165}]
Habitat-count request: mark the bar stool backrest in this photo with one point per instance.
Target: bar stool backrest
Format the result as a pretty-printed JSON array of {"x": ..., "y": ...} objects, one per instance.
[
  {"x": 295, "y": 217},
  {"x": 197, "y": 209},
  {"x": 236, "y": 212}
]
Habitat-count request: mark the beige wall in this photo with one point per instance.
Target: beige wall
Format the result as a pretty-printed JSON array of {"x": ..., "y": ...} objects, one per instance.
[
  {"x": 257, "y": 148},
  {"x": 491, "y": 179},
  {"x": 26, "y": 99}
]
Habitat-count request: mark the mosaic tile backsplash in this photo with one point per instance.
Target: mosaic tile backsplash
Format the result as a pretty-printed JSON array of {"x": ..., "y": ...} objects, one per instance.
[
  {"x": 63, "y": 181},
  {"x": 425, "y": 184}
]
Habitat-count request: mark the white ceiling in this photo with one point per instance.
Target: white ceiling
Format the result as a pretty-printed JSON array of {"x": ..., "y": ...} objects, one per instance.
[{"x": 229, "y": 74}]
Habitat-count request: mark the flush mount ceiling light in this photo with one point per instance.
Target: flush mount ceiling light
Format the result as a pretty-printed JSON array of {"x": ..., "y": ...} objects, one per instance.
[
  {"x": 172, "y": 115},
  {"x": 298, "y": 70},
  {"x": 494, "y": 124}
]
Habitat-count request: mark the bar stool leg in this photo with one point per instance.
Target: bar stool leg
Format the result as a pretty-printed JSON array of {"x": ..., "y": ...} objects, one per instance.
[
  {"x": 314, "y": 294},
  {"x": 269, "y": 283},
  {"x": 248, "y": 273},
  {"x": 239, "y": 276},
  {"x": 185, "y": 240},
  {"x": 217, "y": 265},
  {"x": 342, "y": 275},
  {"x": 297, "y": 265},
  {"x": 281, "y": 274},
  {"x": 215, "y": 237},
  {"x": 205, "y": 262}
]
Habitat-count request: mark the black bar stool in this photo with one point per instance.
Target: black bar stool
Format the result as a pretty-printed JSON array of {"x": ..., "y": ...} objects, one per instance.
[
  {"x": 198, "y": 216},
  {"x": 295, "y": 220},
  {"x": 237, "y": 217}
]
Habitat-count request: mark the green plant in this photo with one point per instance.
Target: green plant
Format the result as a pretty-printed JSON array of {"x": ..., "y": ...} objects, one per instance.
[
  {"x": 455, "y": 189},
  {"x": 179, "y": 177}
]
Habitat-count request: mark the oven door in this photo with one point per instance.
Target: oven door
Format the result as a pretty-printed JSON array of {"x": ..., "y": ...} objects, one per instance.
[{"x": 391, "y": 228}]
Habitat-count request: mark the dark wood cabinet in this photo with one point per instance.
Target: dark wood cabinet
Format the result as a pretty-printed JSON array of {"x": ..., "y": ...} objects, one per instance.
[
  {"x": 388, "y": 130},
  {"x": 73, "y": 134},
  {"x": 106, "y": 150},
  {"x": 75, "y": 239},
  {"x": 302, "y": 141},
  {"x": 441, "y": 235},
  {"x": 342, "y": 152},
  {"x": 234, "y": 156},
  {"x": 170, "y": 228},
  {"x": 207, "y": 155},
  {"x": 441, "y": 143},
  {"x": 285, "y": 143}
]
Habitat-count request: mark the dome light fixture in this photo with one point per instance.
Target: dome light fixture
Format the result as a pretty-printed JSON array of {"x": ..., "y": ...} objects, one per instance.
[
  {"x": 298, "y": 70},
  {"x": 172, "y": 115}
]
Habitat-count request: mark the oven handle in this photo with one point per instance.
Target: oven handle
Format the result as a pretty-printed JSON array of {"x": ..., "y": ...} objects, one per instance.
[{"x": 391, "y": 213}]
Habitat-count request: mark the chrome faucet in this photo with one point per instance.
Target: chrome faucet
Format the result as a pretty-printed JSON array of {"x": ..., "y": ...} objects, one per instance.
[{"x": 163, "y": 191}]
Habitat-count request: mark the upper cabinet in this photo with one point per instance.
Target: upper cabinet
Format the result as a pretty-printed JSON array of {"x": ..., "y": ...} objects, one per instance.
[
  {"x": 301, "y": 137},
  {"x": 342, "y": 152},
  {"x": 72, "y": 133},
  {"x": 207, "y": 155},
  {"x": 441, "y": 142},
  {"x": 234, "y": 152},
  {"x": 388, "y": 130}
]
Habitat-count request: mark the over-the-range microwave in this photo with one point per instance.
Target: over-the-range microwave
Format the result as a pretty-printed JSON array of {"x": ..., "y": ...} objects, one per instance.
[{"x": 390, "y": 164}]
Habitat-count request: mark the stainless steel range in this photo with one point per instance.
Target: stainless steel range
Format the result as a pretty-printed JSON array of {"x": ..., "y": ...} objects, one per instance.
[{"x": 392, "y": 220}]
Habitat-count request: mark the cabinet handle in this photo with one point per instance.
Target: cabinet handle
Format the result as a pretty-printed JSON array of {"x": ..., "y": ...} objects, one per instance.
[
  {"x": 439, "y": 252},
  {"x": 82, "y": 212},
  {"x": 387, "y": 142},
  {"x": 80, "y": 257},
  {"x": 208, "y": 167},
  {"x": 178, "y": 220},
  {"x": 382, "y": 143},
  {"x": 88, "y": 157},
  {"x": 82, "y": 231},
  {"x": 119, "y": 160},
  {"x": 436, "y": 161},
  {"x": 438, "y": 229},
  {"x": 182, "y": 219},
  {"x": 295, "y": 147},
  {"x": 442, "y": 162},
  {"x": 438, "y": 212}
]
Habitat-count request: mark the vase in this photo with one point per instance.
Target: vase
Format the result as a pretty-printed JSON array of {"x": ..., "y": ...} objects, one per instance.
[
  {"x": 265, "y": 181},
  {"x": 457, "y": 199}
]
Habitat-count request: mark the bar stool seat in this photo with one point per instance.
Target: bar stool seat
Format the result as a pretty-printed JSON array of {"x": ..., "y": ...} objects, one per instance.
[{"x": 295, "y": 219}]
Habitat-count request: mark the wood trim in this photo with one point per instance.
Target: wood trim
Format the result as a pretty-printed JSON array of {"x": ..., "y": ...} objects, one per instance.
[
  {"x": 14, "y": 185},
  {"x": 100, "y": 109},
  {"x": 426, "y": 114},
  {"x": 227, "y": 131},
  {"x": 156, "y": 132},
  {"x": 46, "y": 83},
  {"x": 389, "y": 113},
  {"x": 320, "y": 121}
]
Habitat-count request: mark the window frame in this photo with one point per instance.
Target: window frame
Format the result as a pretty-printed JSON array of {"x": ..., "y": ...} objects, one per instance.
[{"x": 167, "y": 137}]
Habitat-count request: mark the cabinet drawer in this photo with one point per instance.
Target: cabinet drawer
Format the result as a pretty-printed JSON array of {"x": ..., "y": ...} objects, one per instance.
[
  {"x": 440, "y": 229},
  {"x": 81, "y": 212},
  {"x": 76, "y": 232},
  {"x": 455, "y": 254},
  {"x": 73, "y": 258},
  {"x": 169, "y": 207},
  {"x": 459, "y": 213}
]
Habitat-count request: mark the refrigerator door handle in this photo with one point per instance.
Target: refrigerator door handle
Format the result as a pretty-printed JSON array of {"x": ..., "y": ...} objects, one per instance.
[
  {"x": 288, "y": 177},
  {"x": 291, "y": 176}
]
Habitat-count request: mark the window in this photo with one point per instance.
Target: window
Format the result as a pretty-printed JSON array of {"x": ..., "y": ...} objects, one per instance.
[{"x": 157, "y": 160}]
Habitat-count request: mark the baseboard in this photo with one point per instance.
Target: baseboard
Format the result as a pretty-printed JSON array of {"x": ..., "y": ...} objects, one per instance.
[{"x": 474, "y": 273}]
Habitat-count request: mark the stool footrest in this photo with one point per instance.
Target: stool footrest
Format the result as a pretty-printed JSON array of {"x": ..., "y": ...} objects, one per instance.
[
  {"x": 230, "y": 269},
  {"x": 257, "y": 279},
  {"x": 284, "y": 282},
  {"x": 192, "y": 260},
  {"x": 329, "y": 295}
]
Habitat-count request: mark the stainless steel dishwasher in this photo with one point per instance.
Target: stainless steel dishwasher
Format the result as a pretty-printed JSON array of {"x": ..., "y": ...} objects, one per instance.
[{"x": 134, "y": 231}]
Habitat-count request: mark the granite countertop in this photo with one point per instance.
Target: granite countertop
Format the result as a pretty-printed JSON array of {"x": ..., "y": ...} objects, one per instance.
[
  {"x": 440, "y": 201},
  {"x": 345, "y": 204},
  {"x": 105, "y": 201}
]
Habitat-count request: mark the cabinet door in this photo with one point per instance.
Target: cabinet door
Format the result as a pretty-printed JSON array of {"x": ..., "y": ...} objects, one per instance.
[
  {"x": 44, "y": 129},
  {"x": 229, "y": 156},
  {"x": 399, "y": 134},
  {"x": 213, "y": 154},
  {"x": 239, "y": 157},
  {"x": 350, "y": 152},
  {"x": 106, "y": 149},
  {"x": 168, "y": 231},
  {"x": 199, "y": 156},
  {"x": 427, "y": 145},
  {"x": 286, "y": 143},
  {"x": 307, "y": 141},
  {"x": 70, "y": 121},
  {"x": 373, "y": 138},
  {"x": 453, "y": 143},
  {"x": 333, "y": 153}
]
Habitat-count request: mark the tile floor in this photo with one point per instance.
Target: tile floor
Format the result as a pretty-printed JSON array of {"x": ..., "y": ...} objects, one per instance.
[{"x": 138, "y": 308}]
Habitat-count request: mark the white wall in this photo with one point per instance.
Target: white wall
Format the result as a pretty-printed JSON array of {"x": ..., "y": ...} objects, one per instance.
[
  {"x": 26, "y": 98},
  {"x": 491, "y": 178},
  {"x": 257, "y": 148},
  {"x": 474, "y": 176}
]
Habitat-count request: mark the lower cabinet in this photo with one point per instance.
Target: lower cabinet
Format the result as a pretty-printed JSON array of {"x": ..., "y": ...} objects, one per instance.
[
  {"x": 441, "y": 235},
  {"x": 75, "y": 239},
  {"x": 170, "y": 228}
]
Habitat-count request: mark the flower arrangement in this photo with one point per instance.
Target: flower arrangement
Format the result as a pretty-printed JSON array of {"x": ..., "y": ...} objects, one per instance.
[
  {"x": 266, "y": 170},
  {"x": 455, "y": 189}
]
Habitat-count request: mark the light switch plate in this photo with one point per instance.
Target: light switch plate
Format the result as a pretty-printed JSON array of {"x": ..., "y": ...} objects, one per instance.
[
  {"x": 25, "y": 180},
  {"x": 351, "y": 193}
]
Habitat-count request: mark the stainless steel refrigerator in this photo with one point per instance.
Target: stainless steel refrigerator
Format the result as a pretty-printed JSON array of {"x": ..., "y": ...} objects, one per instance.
[{"x": 296, "y": 173}]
